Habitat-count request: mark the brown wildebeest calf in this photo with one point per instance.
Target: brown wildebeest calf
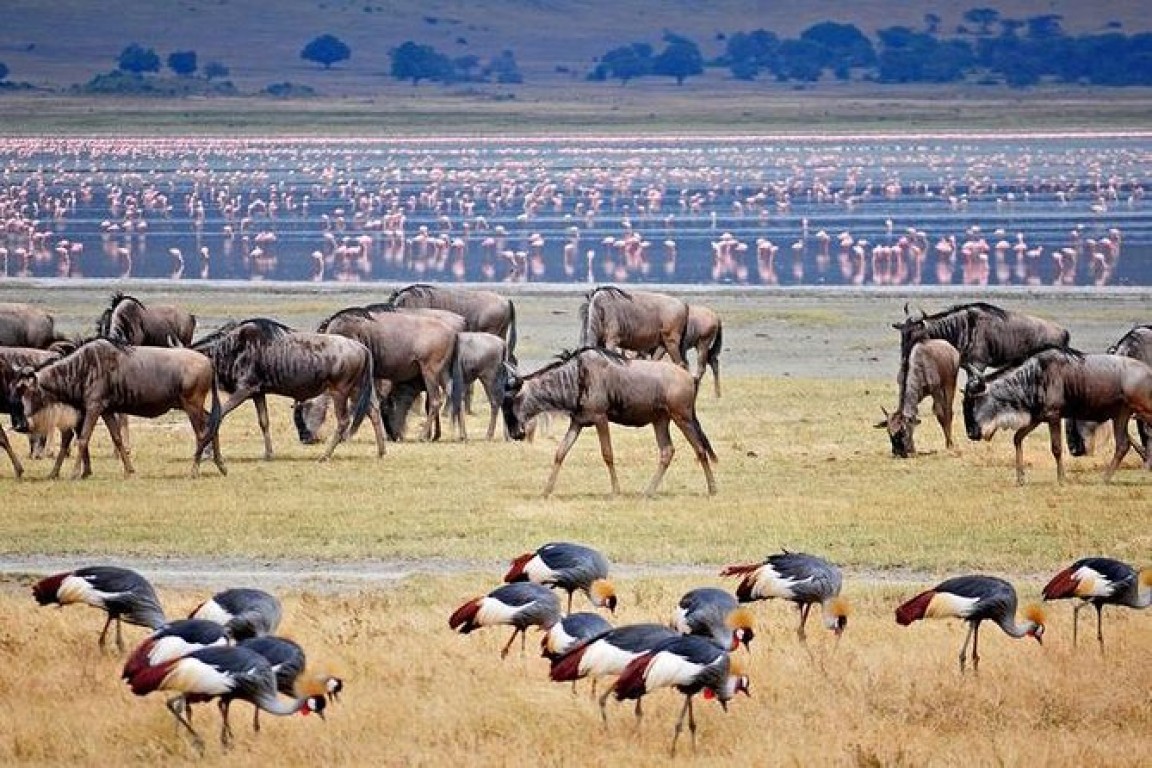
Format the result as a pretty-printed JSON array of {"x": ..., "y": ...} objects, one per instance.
[
  {"x": 933, "y": 366},
  {"x": 23, "y": 325},
  {"x": 596, "y": 387},
  {"x": 705, "y": 334},
  {"x": 102, "y": 377}
]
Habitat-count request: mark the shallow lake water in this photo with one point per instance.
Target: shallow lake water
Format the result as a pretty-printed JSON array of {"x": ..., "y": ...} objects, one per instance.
[{"x": 897, "y": 210}]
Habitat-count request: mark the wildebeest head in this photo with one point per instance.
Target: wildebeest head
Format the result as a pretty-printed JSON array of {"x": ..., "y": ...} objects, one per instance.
[
  {"x": 308, "y": 416},
  {"x": 900, "y": 429},
  {"x": 512, "y": 405},
  {"x": 34, "y": 412},
  {"x": 912, "y": 329}
]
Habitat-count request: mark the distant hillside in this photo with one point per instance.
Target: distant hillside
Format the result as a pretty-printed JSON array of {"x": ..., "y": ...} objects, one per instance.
[{"x": 62, "y": 43}]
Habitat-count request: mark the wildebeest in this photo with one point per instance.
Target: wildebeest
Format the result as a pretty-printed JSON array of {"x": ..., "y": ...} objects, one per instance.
[
  {"x": 102, "y": 377},
  {"x": 24, "y": 325},
  {"x": 705, "y": 334},
  {"x": 596, "y": 386},
  {"x": 481, "y": 310},
  {"x": 1059, "y": 383},
  {"x": 12, "y": 361},
  {"x": 155, "y": 325},
  {"x": 983, "y": 334},
  {"x": 639, "y": 321},
  {"x": 1136, "y": 343},
  {"x": 404, "y": 346},
  {"x": 933, "y": 366},
  {"x": 260, "y": 357}
]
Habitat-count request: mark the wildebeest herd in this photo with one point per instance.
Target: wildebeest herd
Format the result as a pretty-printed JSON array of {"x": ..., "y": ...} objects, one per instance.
[{"x": 373, "y": 362}]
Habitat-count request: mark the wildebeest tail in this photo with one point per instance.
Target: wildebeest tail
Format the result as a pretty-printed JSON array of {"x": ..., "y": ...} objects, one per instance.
[
  {"x": 714, "y": 349},
  {"x": 585, "y": 316},
  {"x": 367, "y": 393},
  {"x": 215, "y": 416},
  {"x": 684, "y": 345},
  {"x": 456, "y": 369},
  {"x": 510, "y": 342},
  {"x": 699, "y": 430}
]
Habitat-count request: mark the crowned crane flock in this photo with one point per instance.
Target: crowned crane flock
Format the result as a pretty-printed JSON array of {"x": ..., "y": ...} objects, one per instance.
[
  {"x": 225, "y": 651},
  {"x": 695, "y": 652}
]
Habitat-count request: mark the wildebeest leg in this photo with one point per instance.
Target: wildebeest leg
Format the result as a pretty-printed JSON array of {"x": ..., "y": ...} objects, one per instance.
[
  {"x": 83, "y": 466},
  {"x": 343, "y": 422},
  {"x": 562, "y": 451},
  {"x": 116, "y": 423},
  {"x": 1018, "y": 441},
  {"x": 435, "y": 401},
  {"x": 943, "y": 410},
  {"x": 377, "y": 427},
  {"x": 695, "y": 437},
  {"x": 1056, "y": 438},
  {"x": 66, "y": 436},
  {"x": 493, "y": 408},
  {"x": 672, "y": 345},
  {"x": 667, "y": 451},
  {"x": 1120, "y": 437},
  {"x": 7, "y": 446},
  {"x": 606, "y": 454},
  {"x": 261, "y": 403}
]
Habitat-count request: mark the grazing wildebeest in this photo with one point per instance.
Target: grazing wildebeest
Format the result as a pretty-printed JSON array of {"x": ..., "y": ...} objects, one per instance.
[
  {"x": 596, "y": 386},
  {"x": 983, "y": 334},
  {"x": 260, "y": 357},
  {"x": 1059, "y": 383},
  {"x": 23, "y": 325},
  {"x": 12, "y": 361},
  {"x": 481, "y": 310},
  {"x": 639, "y": 321},
  {"x": 404, "y": 346},
  {"x": 154, "y": 325},
  {"x": 933, "y": 367},
  {"x": 102, "y": 377},
  {"x": 1081, "y": 435},
  {"x": 705, "y": 334}
]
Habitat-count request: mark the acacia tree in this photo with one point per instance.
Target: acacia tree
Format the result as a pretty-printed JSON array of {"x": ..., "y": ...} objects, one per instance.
[
  {"x": 680, "y": 59},
  {"x": 415, "y": 62},
  {"x": 182, "y": 63},
  {"x": 624, "y": 63},
  {"x": 138, "y": 59},
  {"x": 326, "y": 50}
]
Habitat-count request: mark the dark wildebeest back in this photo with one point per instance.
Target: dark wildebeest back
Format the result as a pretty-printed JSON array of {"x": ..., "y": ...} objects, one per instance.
[
  {"x": 260, "y": 357},
  {"x": 404, "y": 346},
  {"x": 155, "y": 325},
  {"x": 482, "y": 310},
  {"x": 1054, "y": 384},
  {"x": 933, "y": 367},
  {"x": 1137, "y": 343},
  {"x": 103, "y": 377},
  {"x": 23, "y": 325},
  {"x": 639, "y": 321},
  {"x": 984, "y": 335},
  {"x": 595, "y": 387}
]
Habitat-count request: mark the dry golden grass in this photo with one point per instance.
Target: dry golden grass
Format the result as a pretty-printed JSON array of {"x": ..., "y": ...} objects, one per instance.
[
  {"x": 800, "y": 466},
  {"x": 419, "y": 695}
]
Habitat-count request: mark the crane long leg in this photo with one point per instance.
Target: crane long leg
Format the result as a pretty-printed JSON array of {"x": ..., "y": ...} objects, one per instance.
[
  {"x": 686, "y": 710},
  {"x": 225, "y": 727},
  {"x": 176, "y": 706},
  {"x": 104, "y": 632},
  {"x": 975, "y": 648},
  {"x": 507, "y": 645},
  {"x": 804, "y": 609},
  {"x": 119, "y": 636},
  {"x": 1076, "y": 621},
  {"x": 603, "y": 705},
  {"x": 964, "y": 648},
  {"x": 1100, "y": 625},
  {"x": 569, "y": 601}
]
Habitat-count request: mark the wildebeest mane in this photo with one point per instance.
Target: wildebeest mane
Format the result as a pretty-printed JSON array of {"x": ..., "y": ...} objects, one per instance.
[
  {"x": 981, "y": 306},
  {"x": 415, "y": 289},
  {"x": 1068, "y": 353},
  {"x": 214, "y": 337},
  {"x": 267, "y": 328},
  {"x": 566, "y": 356},
  {"x": 381, "y": 306},
  {"x": 361, "y": 312},
  {"x": 1127, "y": 337}
]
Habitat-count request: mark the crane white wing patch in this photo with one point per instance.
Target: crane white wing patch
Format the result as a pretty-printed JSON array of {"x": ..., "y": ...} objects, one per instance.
[
  {"x": 946, "y": 605},
  {"x": 668, "y": 669},
  {"x": 194, "y": 675},
  {"x": 770, "y": 583},
  {"x": 212, "y": 611},
  {"x": 603, "y": 658},
  {"x": 493, "y": 611},
  {"x": 1092, "y": 583},
  {"x": 77, "y": 589}
]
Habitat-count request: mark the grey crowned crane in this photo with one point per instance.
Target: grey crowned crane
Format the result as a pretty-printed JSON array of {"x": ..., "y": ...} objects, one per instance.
[
  {"x": 173, "y": 640},
  {"x": 293, "y": 675},
  {"x": 571, "y": 567},
  {"x": 688, "y": 663},
  {"x": 123, "y": 594},
  {"x": 608, "y": 654},
  {"x": 1100, "y": 581},
  {"x": 805, "y": 580},
  {"x": 714, "y": 614},
  {"x": 518, "y": 605},
  {"x": 225, "y": 673},
  {"x": 243, "y": 612},
  {"x": 975, "y": 599}
]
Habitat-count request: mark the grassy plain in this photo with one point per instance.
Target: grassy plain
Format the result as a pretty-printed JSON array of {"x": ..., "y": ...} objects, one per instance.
[{"x": 800, "y": 467}]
